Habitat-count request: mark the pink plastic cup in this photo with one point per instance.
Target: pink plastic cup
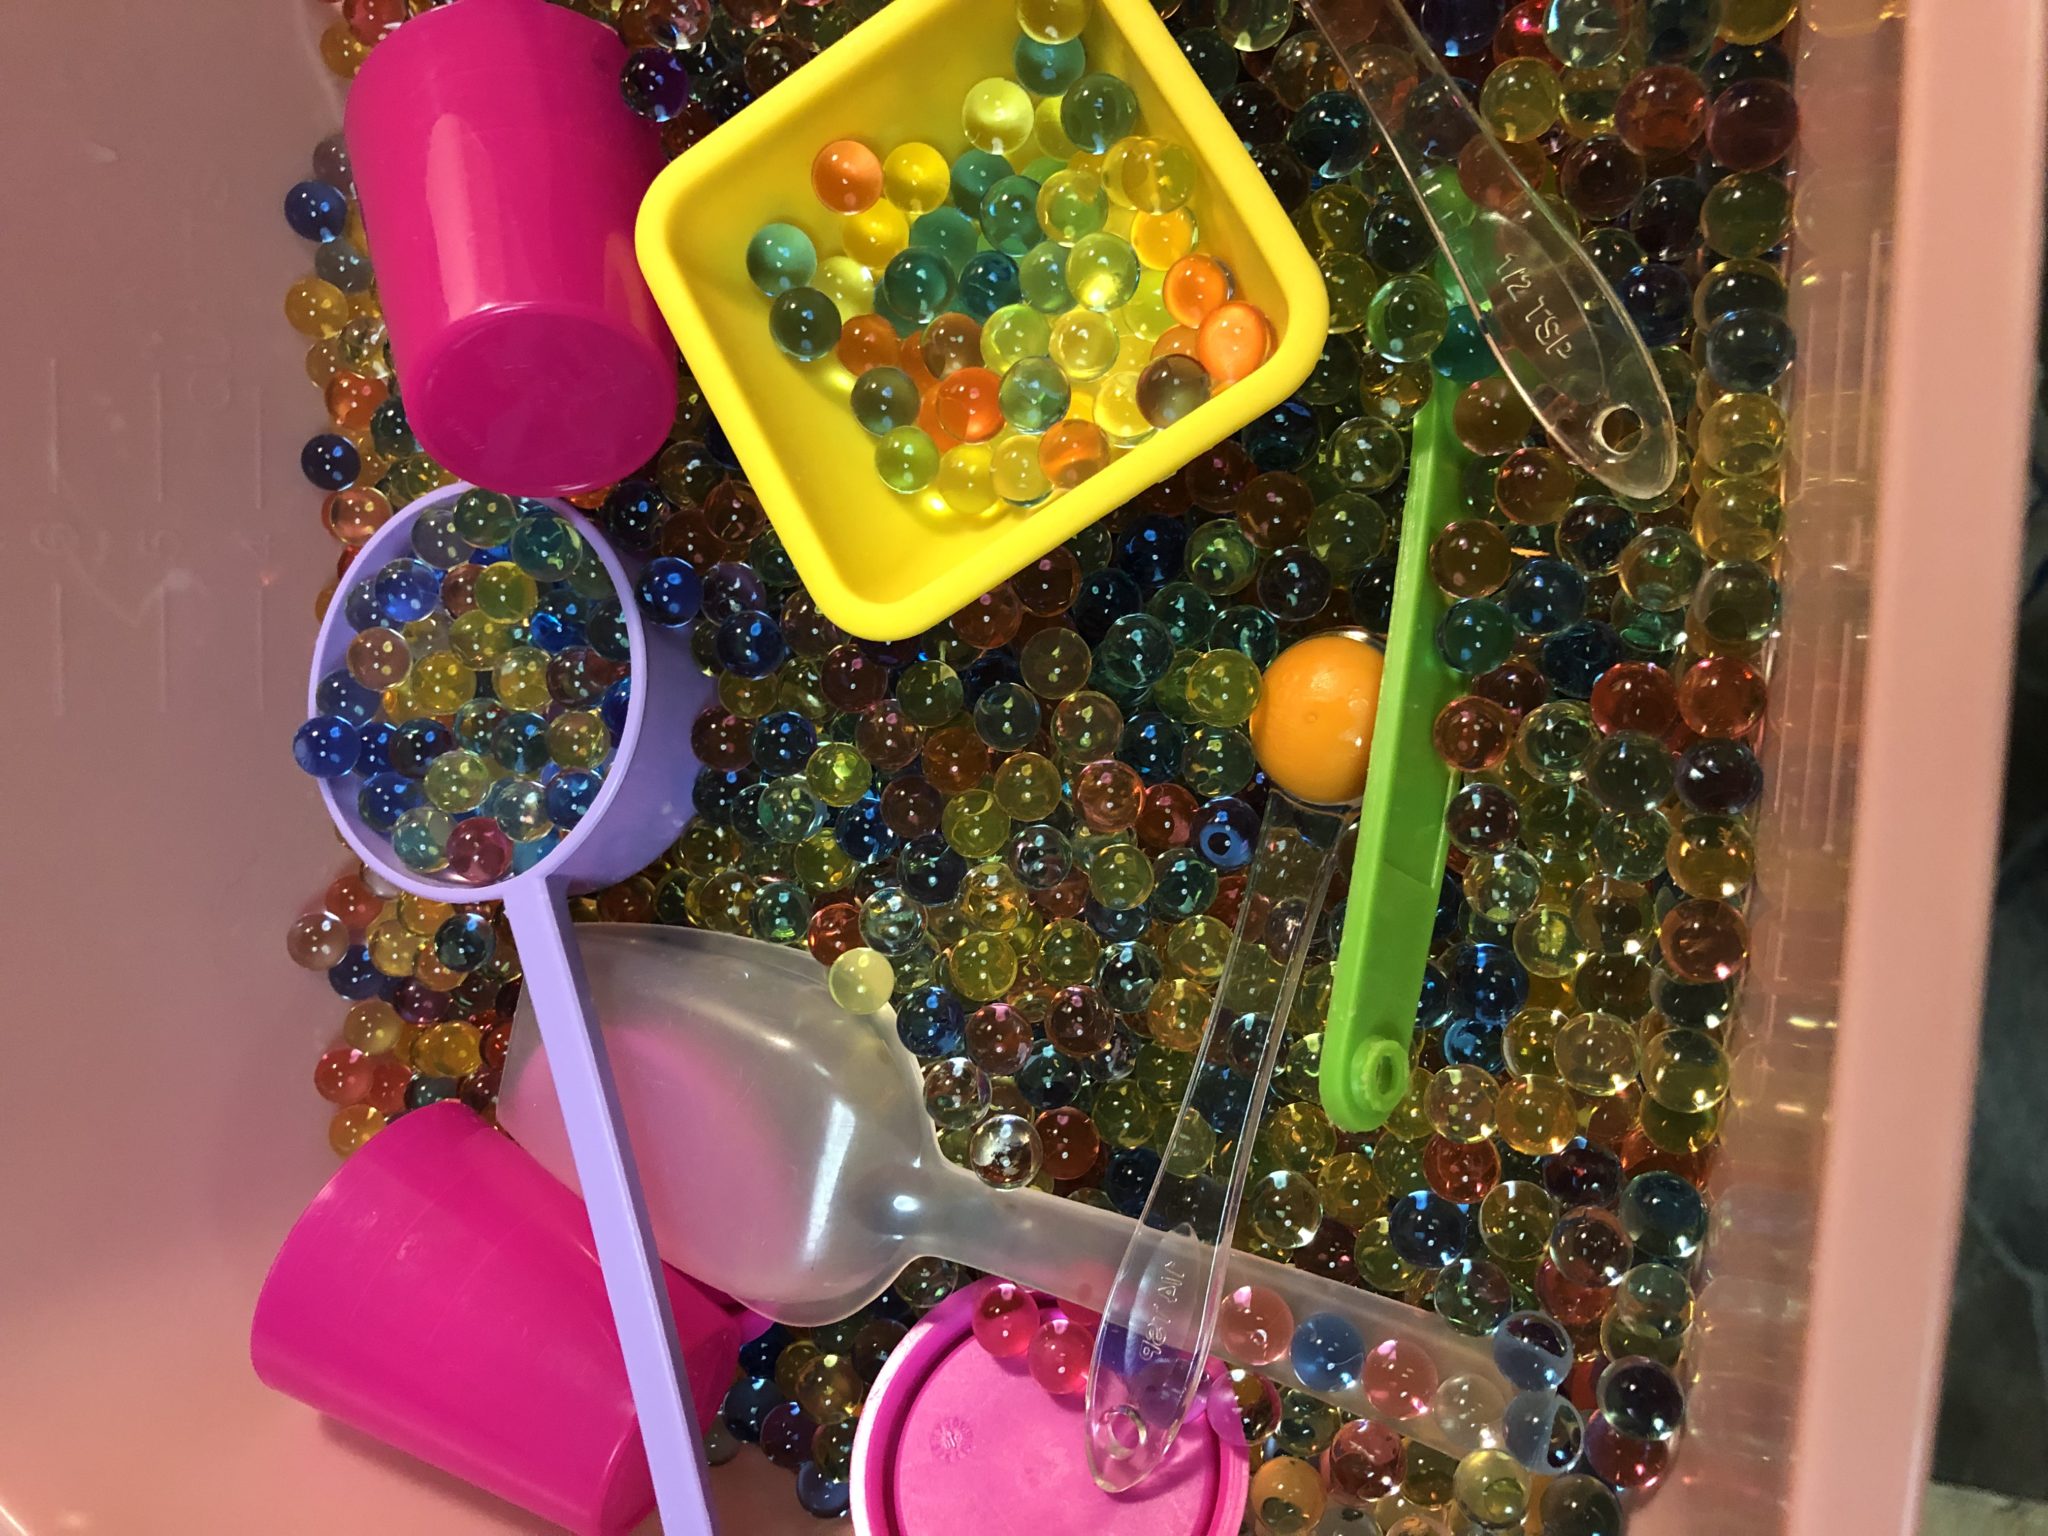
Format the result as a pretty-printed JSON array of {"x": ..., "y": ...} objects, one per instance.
[
  {"x": 643, "y": 803},
  {"x": 442, "y": 1294},
  {"x": 500, "y": 172}
]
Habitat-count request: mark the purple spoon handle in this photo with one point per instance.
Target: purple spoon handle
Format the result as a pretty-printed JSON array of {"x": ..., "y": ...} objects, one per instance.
[{"x": 538, "y": 911}]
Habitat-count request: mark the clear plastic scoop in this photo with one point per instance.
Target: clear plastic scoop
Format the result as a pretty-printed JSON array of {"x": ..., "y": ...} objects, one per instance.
[
  {"x": 1559, "y": 330},
  {"x": 788, "y": 1160}
]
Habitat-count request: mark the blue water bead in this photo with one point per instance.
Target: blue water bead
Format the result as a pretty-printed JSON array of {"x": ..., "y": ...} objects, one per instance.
[
  {"x": 746, "y": 813},
  {"x": 1543, "y": 595},
  {"x": 330, "y": 461},
  {"x": 1488, "y": 982},
  {"x": 783, "y": 741},
  {"x": 1593, "y": 533},
  {"x": 750, "y": 643},
  {"x": 1210, "y": 55},
  {"x": 1188, "y": 613},
  {"x": 1226, "y": 833},
  {"x": 1463, "y": 355},
  {"x": 1150, "y": 550},
  {"x": 1748, "y": 350},
  {"x": 1664, "y": 1216},
  {"x": 1736, "y": 62},
  {"x": 327, "y": 746},
  {"x": 407, "y": 590},
  {"x": 1679, "y": 29},
  {"x": 316, "y": 211},
  {"x": 1665, "y": 218},
  {"x": 616, "y": 705},
  {"x": 1294, "y": 584},
  {"x": 359, "y": 604},
  {"x": 1658, "y": 298},
  {"x": 748, "y": 1402},
  {"x": 758, "y": 1354},
  {"x": 1049, "y": 1080},
  {"x": 633, "y": 514},
  {"x": 929, "y": 871},
  {"x": 824, "y": 1497},
  {"x": 713, "y": 795},
  {"x": 1450, "y": 914},
  {"x": 340, "y": 694},
  {"x": 1116, "y": 927},
  {"x": 1331, "y": 133},
  {"x": 571, "y": 794},
  {"x": 1247, "y": 629},
  {"x": 1220, "y": 1096},
  {"x": 931, "y": 1022},
  {"x": 376, "y": 739},
  {"x": 1641, "y": 1398},
  {"x": 1129, "y": 1178},
  {"x": 1372, "y": 595},
  {"x": 464, "y": 941},
  {"x": 557, "y": 621},
  {"x": 1152, "y": 744},
  {"x": 354, "y": 977},
  {"x": 1327, "y": 1353},
  {"x": 604, "y": 629},
  {"x": 656, "y": 83},
  {"x": 1284, "y": 437},
  {"x": 526, "y": 855},
  {"x": 861, "y": 832},
  {"x": 1475, "y": 635},
  {"x": 974, "y": 172},
  {"x": 1427, "y": 1230},
  {"x": 417, "y": 744},
  {"x": 1574, "y": 658},
  {"x": 1103, "y": 597},
  {"x": 1532, "y": 1351},
  {"x": 1433, "y": 999},
  {"x": 385, "y": 797},
  {"x": 1458, "y": 28},
  {"x": 987, "y": 283},
  {"x": 1475, "y": 1042}
]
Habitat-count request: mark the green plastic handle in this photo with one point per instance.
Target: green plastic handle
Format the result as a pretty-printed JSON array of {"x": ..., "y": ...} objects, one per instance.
[{"x": 1399, "y": 866}]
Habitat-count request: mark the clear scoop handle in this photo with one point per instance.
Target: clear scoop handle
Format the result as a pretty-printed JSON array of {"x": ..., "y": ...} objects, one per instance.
[
  {"x": 1558, "y": 329},
  {"x": 1153, "y": 1345}
]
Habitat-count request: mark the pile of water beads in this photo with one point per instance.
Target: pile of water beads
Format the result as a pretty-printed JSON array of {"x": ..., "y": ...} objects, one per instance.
[
  {"x": 1026, "y": 830},
  {"x": 1013, "y": 319},
  {"x": 483, "y": 690}
]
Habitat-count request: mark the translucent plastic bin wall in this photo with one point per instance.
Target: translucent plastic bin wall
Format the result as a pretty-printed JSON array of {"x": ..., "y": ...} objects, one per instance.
[{"x": 158, "y": 557}]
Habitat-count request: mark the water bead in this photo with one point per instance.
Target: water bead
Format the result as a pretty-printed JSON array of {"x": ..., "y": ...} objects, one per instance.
[
  {"x": 1101, "y": 271},
  {"x": 804, "y": 323},
  {"x": 1739, "y": 518},
  {"x": 915, "y": 286},
  {"x": 1096, "y": 110},
  {"x": 907, "y": 460},
  {"x": 884, "y": 400},
  {"x": 1005, "y": 1319},
  {"x": 1004, "y": 1151},
  {"x": 1286, "y": 1497},
  {"x": 1170, "y": 388},
  {"x": 780, "y": 257},
  {"x": 1233, "y": 340},
  {"x": 1053, "y": 21},
  {"x": 875, "y": 234},
  {"x": 1033, "y": 395}
]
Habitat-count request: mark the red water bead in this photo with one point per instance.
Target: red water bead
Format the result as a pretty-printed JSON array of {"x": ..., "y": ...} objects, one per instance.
[
  {"x": 350, "y": 898},
  {"x": 388, "y": 1082},
  {"x": 1612, "y": 1118},
  {"x": 479, "y": 852},
  {"x": 630, "y": 901},
  {"x": 967, "y": 404},
  {"x": 733, "y": 512},
  {"x": 991, "y": 619},
  {"x": 687, "y": 127},
  {"x": 1704, "y": 941},
  {"x": 1229, "y": 897},
  {"x": 1720, "y": 696},
  {"x": 1070, "y": 1141},
  {"x": 956, "y": 759},
  {"x": 1167, "y": 818},
  {"x": 1472, "y": 734},
  {"x": 832, "y": 932},
  {"x": 1639, "y": 1154},
  {"x": 1459, "y": 1171},
  {"x": 417, "y": 1003},
  {"x": 1005, "y": 1319},
  {"x": 1364, "y": 1463},
  {"x": 887, "y": 737},
  {"x": 1628, "y": 1465},
  {"x": 1079, "y": 1022},
  {"x": 852, "y": 680},
  {"x": 722, "y": 740},
  {"x": 1275, "y": 509},
  {"x": 1601, "y": 176},
  {"x": 1752, "y": 124},
  {"x": 685, "y": 536},
  {"x": 1330, "y": 1253},
  {"x": 999, "y": 1040},
  {"x": 1067, "y": 899},
  {"x": 1488, "y": 178},
  {"x": 343, "y": 1076},
  {"x": 911, "y": 807},
  {"x": 494, "y": 1040},
  {"x": 1470, "y": 558},
  {"x": 1520, "y": 35},
  {"x": 1582, "y": 1383},
  {"x": 1059, "y": 1355},
  {"x": 1109, "y": 795},
  {"x": 369, "y": 20},
  {"x": 1163, "y": 498},
  {"x": 1049, "y": 584},
  {"x": 1635, "y": 696},
  {"x": 1662, "y": 111},
  {"x": 1216, "y": 480},
  {"x": 1576, "y": 1306},
  {"x": 1517, "y": 686},
  {"x": 1400, "y": 1378}
]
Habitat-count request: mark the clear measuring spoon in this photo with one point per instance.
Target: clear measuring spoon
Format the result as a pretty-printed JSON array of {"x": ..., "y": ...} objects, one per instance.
[
  {"x": 787, "y": 1160},
  {"x": 1558, "y": 329}
]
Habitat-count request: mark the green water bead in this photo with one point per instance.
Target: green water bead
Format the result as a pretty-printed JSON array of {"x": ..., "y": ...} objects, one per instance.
[
  {"x": 1047, "y": 69},
  {"x": 849, "y": 285},
  {"x": 1034, "y": 394},
  {"x": 1013, "y": 333},
  {"x": 917, "y": 285},
  {"x": 485, "y": 518},
  {"x": 1217, "y": 761},
  {"x": 884, "y": 400},
  {"x": 1520, "y": 100},
  {"x": 1364, "y": 454},
  {"x": 1102, "y": 271},
  {"x": 1221, "y": 557},
  {"x": 1348, "y": 531},
  {"x": 1072, "y": 203},
  {"x": 996, "y": 115},
  {"x": 1223, "y": 687},
  {"x": 1017, "y": 472},
  {"x": 1042, "y": 276},
  {"x": 804, "y": 324},
  {"x": 1502, "y": 886},
  {"x": 458, "y": 781},
  {"x": 1660, "y": 568},
  {"x": 948, "y": 234},
  {"x": 1352, "y": 284},
  {"x": 1739, "y": 518},
  {"x": 1124, "y": 1115},
  {"x": 1097, "y": 110},
  {"x": 837, "y": 774},
  {"x": 974, "y": 173},
  {"x": 780, "y": 257},
  {"x": 781, "y": 912},
  {"x": 907, "y": 460},
  {"x": 1120, "y": 877},
  {"x": 1630, "y": 772},
  {"x": 930, "y": 693},
  {"x": 1747, "y": 214},
  {"x": 1735, "y": 606},
  {"x": 1009, "y": 216},
  {"x": 1631, "y": 846},
  {"x": 1407, "y": 317},
  {"x": 1586, "y": 33},
  {"x": 1253, "y": 26},
  {"x": 1067, "y": 953},
  {"x": 1742, "y": 434},
  {"x": 1027, "y": 786}
]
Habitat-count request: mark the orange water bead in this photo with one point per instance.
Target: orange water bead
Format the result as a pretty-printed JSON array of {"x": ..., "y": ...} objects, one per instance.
[
  {"x": 867, "y": 341},
  {"x": 1195, "y": 285},
  {"x": 910, "y": 358},
  {"x": 951, "y": 342},
  {"x": 354, "y": 514},
  {"x": 352, "y": 399},
  {"x": 1233, "y": 340},
  {"x": 1071, "y": 452},
  {"x": 847, "y": 176},
  {"x": 1177, "y": 342},
  {"x": 928, "y": 420},
  {"x": 968, "y": 404}
]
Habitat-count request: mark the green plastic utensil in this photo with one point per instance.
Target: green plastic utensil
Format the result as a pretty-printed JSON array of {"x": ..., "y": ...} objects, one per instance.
[{"x": 1398, "y": 869}]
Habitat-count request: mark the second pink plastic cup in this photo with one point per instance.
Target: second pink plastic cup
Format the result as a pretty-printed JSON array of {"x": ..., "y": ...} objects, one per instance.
[{"x": 442, "y": 1294}]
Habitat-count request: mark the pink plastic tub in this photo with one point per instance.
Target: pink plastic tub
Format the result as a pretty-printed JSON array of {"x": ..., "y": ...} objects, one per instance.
[{"x": 157, "y": 1127}]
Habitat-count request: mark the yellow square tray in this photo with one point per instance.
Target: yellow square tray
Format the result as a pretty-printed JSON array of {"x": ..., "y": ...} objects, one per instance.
[{"x": 881, "y": 565}]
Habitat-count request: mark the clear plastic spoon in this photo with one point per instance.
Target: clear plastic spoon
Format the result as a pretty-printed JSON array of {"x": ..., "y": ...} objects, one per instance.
[
  {"x": 1559, "y": 330},
  {"x": 788, "y": 1160}
]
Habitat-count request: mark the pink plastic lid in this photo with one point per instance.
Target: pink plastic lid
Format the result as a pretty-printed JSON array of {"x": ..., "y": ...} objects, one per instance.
[{"x": 953, "y": 1439}]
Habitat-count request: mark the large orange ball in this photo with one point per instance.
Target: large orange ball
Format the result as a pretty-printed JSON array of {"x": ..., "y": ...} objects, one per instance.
[{"x": 1313, "y": 725}]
